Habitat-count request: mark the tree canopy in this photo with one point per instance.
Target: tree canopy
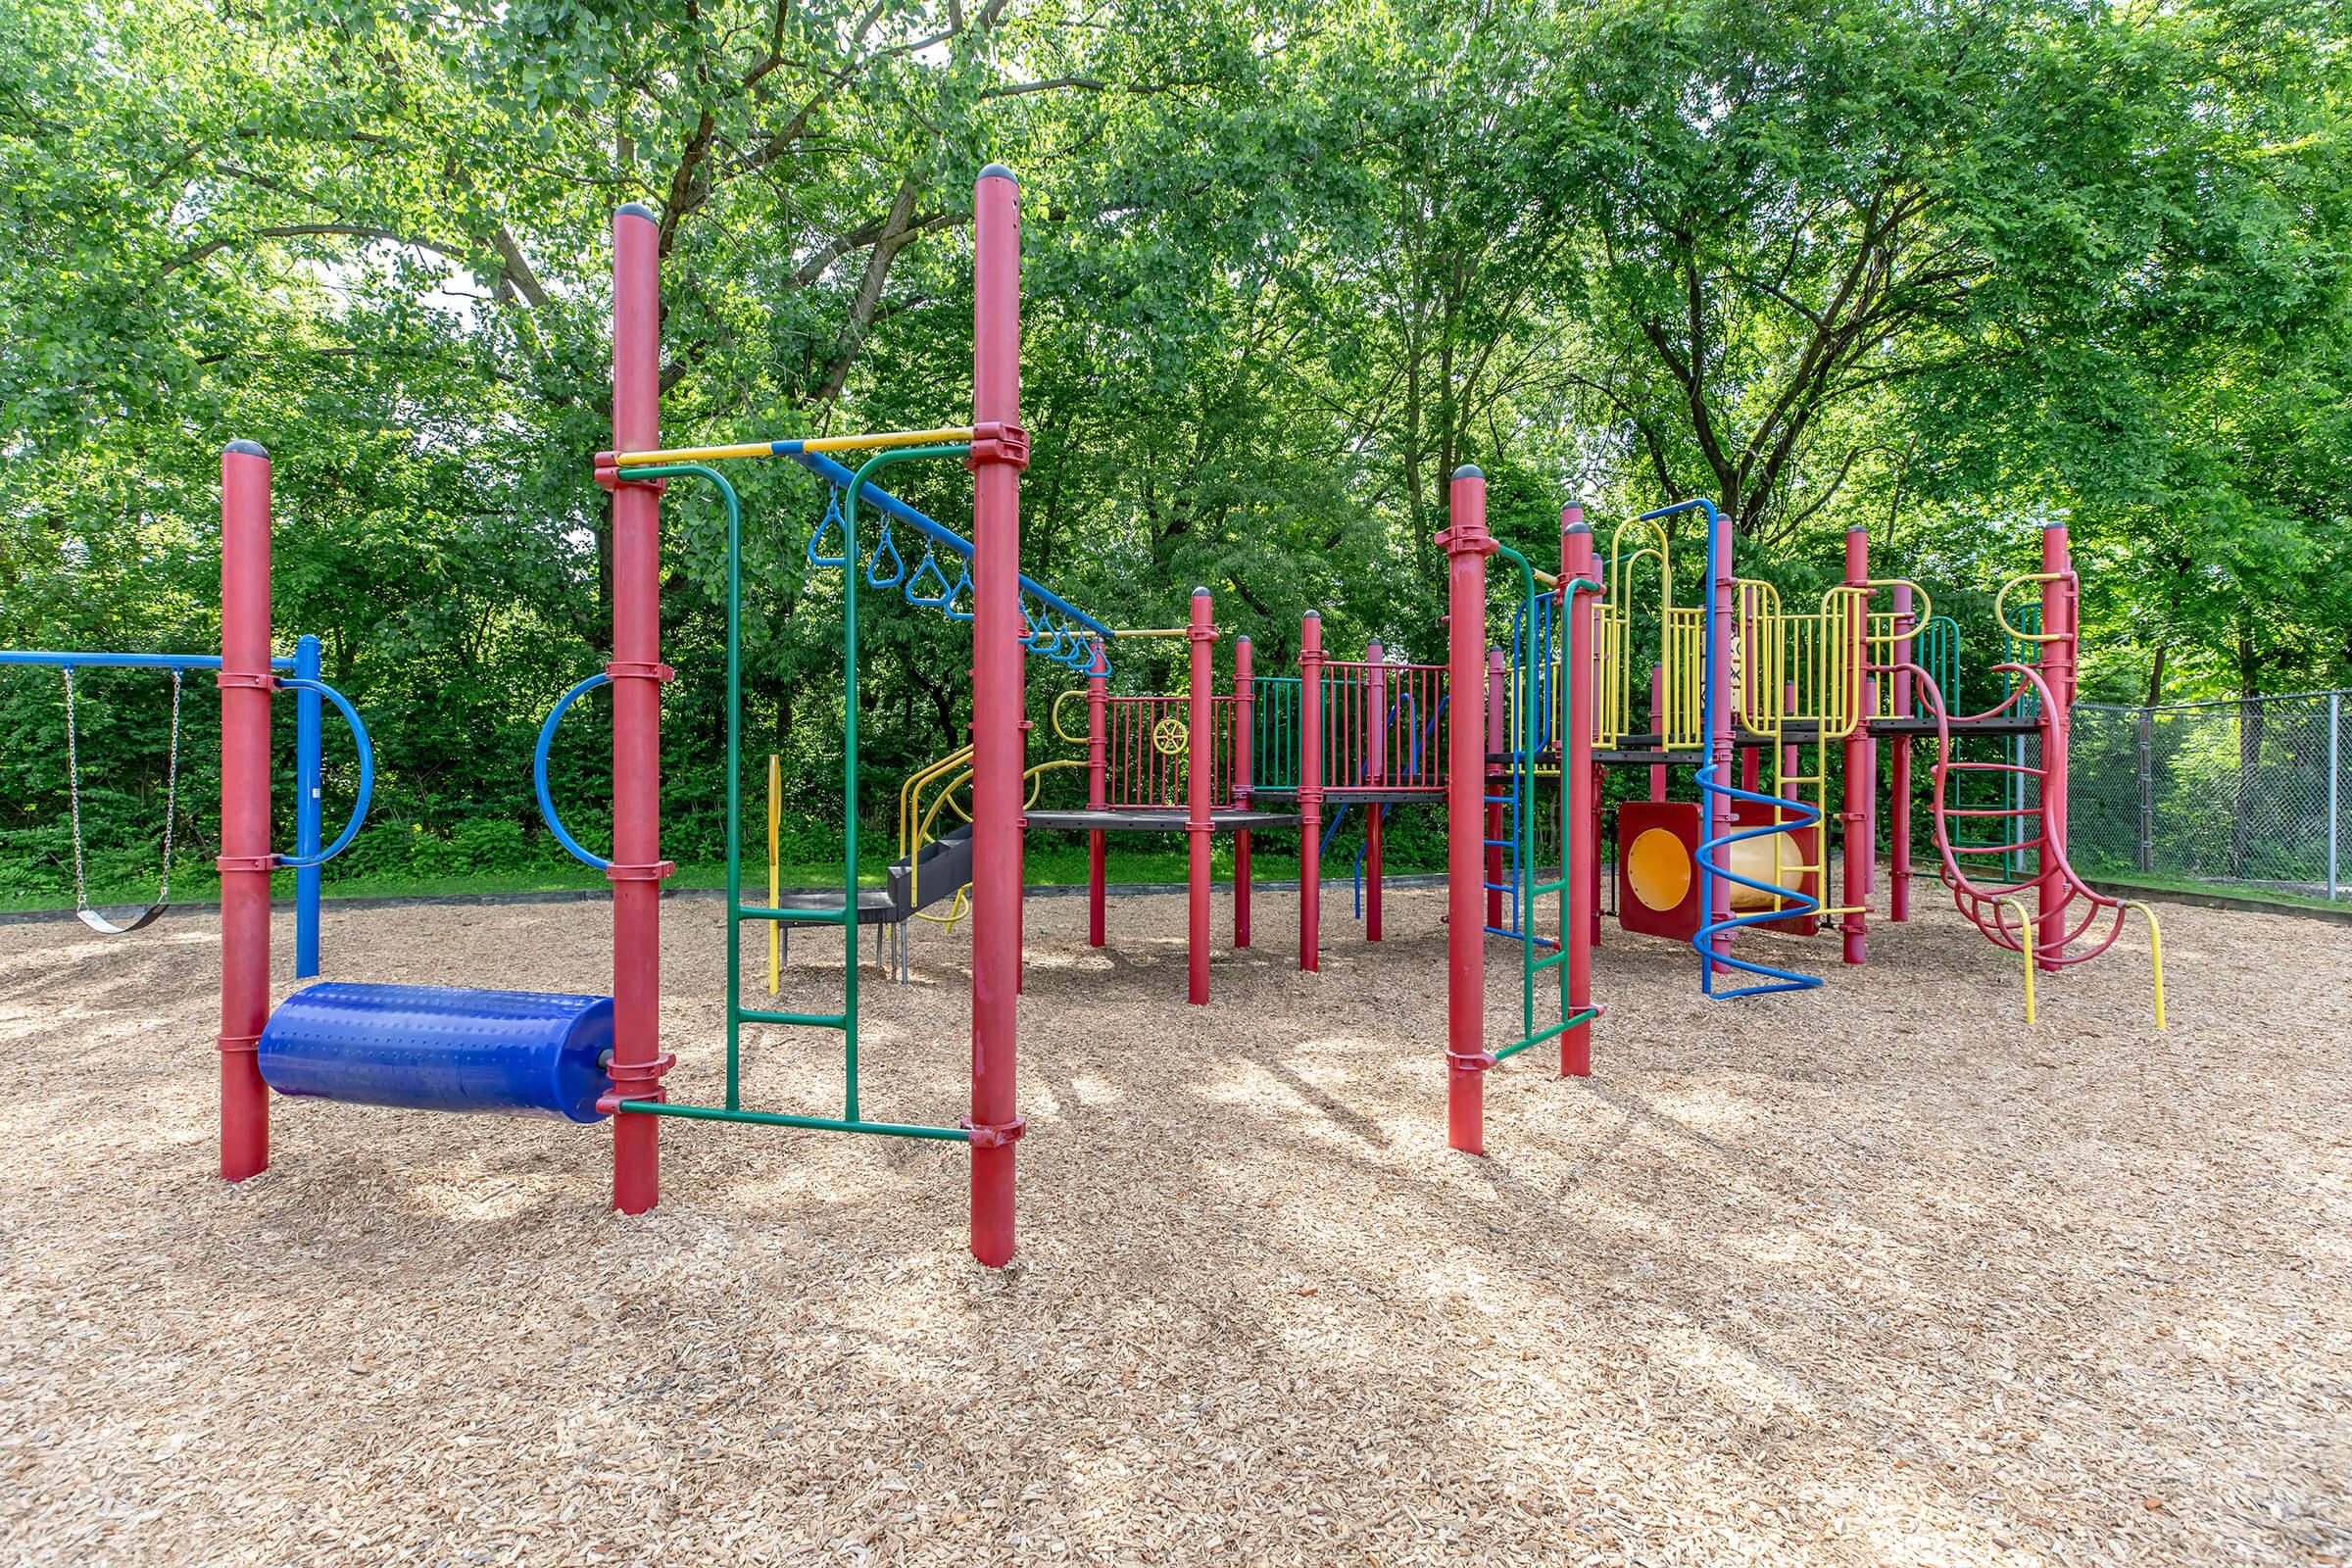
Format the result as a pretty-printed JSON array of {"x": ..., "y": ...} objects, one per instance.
[{"x": 1948, "y": 269}]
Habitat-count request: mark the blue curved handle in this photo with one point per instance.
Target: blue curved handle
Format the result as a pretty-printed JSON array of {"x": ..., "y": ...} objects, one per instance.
[
  {"x": 938, "y": 601},
  {"x": 898, "y": 567},
  {"x": 358, "y": 806},
  {"x": 1703, "y": 939},
  {"x": 963, "y": 585},
  {"x": 831, "y": 520},
  {"x": 547, "y": 738}
]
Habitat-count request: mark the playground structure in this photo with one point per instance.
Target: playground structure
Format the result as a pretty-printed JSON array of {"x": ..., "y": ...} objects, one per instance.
[{"x": 1539, "y": 716}]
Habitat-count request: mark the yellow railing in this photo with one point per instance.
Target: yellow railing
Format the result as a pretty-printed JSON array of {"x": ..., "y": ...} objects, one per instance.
[
  {"x": 952, "y": 776},
  {"x": 2000, "y": 605},
  {"x": 1798, "y": 667}
]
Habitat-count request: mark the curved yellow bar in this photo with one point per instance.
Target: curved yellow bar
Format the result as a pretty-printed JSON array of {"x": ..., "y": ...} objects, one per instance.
[
  {"x": 2000, "y": 605},
  {"x": 2026, "y": 919},
  {"x": 1061, "y": 731},
  {"x": 2155, "y": 953}
]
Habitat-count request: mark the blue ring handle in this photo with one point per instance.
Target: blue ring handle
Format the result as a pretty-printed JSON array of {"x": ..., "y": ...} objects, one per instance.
[
  {"x": 358, "y": 806},
  {"x": 963, "y": 584},
  {"x": 831, "y": 520},
  {"x": 936, "y": 601},
  {"x": 897, "y": 566},
  {"x": 547, "y": 738}
]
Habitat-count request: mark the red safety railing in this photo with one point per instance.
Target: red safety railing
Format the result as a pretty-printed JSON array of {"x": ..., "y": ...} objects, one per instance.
[
  {"x": 1147, "y": 753},
  {"x": 1385, "y": 725}
]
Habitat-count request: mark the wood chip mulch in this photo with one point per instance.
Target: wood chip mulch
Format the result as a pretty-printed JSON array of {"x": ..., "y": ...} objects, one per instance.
[{"x": 1873, "y": 1275}]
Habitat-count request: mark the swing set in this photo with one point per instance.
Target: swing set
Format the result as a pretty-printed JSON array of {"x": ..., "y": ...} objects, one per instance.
[{"x": 301, "y": 676}]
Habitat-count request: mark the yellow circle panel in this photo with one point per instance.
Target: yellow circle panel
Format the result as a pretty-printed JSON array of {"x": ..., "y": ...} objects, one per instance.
[{"x": 1658, "y": 868}]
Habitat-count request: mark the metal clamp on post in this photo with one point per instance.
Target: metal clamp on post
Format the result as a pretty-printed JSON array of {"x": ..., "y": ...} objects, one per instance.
[
  {"x": 638, "y": 669},
  {"x": 246, "y": 1044},
  {"x": 635, "y": 1080},
  {"x": 227, "y": 679},
  {"x": 1477, "y": 1062},
  {"x": 614, "y": 872},
  {"x": 999, "y": 1136},
  {"x": 245, "y": 862},
  {"x": 996, "y": 442},
  {"x": 607, "y": 476}
]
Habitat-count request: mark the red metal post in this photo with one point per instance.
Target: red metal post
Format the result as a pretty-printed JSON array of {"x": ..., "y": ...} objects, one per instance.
[
  {"x": 1201, "y": 779},
  {"x": 2055, "y": 658},
  {"x": 1311, "y": 791},
  {"x": 1466, "y": 544},
  {"x": 1859, "y": 836},
  {"x": 1898, "y": 810},
  {"x": 1375, "y": 774},
  {"x": 245, "y": 859},
  {"x": 637, "y": 868},
  {"x": 1097, "y": 797},
  {"x": 1657, "y": 722},
  {"x": 1244, "y": 707},
  {"x": 1000, "y": 450},
  {"x": 1498, "y": 825},
  {"x": 1581, "y": 835}
]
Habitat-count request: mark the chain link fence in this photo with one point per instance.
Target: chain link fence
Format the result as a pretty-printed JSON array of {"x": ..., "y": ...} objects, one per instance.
[{"x": 2252, "y": 794}]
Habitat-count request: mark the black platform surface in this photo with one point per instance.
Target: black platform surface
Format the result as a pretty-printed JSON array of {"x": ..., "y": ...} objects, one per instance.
[
  {"x": 1354, "y": 797},
  {"x": 874, "y": 905},
  {"x": 1154, "y": 819}
]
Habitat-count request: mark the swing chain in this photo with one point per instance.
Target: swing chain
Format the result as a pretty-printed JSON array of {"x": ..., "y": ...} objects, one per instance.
[
  {"x": 81, "y": 886},
  {"x": 170, "y": 792}
]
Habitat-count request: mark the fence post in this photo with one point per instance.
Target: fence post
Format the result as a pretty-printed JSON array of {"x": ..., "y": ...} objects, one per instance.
[
  {"x": 2145, "y": 855},
  {"x": 2336, "y": 781}
]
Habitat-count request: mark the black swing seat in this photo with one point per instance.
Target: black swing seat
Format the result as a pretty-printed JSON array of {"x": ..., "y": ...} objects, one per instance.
[{"x": 105, "y": 927}]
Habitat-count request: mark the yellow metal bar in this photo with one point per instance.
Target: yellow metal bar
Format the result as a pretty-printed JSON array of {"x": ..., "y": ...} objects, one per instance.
[
  {"x": 1060, "y": 729},
  {"x": 888, "y": 438},
  {"x": 740, "y": 449},
  {"x": 775, "y": 871},
  {"x": 814, "y": 443},
  {"x": 2000, "y": 605},
  {"x": 2026, "y": 918},
  {"x": 2155, "y": 954},
  {"x": 1154, "y": 631}
]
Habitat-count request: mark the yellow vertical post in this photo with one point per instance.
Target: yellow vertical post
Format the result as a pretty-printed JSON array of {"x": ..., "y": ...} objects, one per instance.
[{"x": 775, "y": 889}]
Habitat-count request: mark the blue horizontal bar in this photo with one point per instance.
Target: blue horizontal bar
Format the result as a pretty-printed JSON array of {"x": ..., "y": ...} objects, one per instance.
[
  {"x": 82, "y": 661},
  {"x": 890, "y": 506}
]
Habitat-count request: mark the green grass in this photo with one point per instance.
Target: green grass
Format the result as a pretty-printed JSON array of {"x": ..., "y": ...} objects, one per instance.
[
  {"x": 1134, "y": 859},
  {"x": 2153, "y": 883}
]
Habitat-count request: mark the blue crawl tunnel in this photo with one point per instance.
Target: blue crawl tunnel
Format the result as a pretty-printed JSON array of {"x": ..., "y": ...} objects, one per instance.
[{"x": 433, "y": 1048}]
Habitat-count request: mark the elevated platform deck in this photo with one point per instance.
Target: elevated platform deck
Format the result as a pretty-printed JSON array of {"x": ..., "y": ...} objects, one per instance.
[
  {"x": 1428, "y": 795},
  {"x": 1154, "y": 819}
]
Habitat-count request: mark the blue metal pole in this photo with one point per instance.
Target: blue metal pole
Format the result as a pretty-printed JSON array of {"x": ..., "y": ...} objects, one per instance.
[
  {"x": 307, "y": 808},
  {"x": 56, "y": 659}
]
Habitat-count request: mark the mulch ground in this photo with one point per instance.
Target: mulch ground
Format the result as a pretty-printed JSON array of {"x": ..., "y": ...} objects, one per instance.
[{"x": 1872, "y": 1275}]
